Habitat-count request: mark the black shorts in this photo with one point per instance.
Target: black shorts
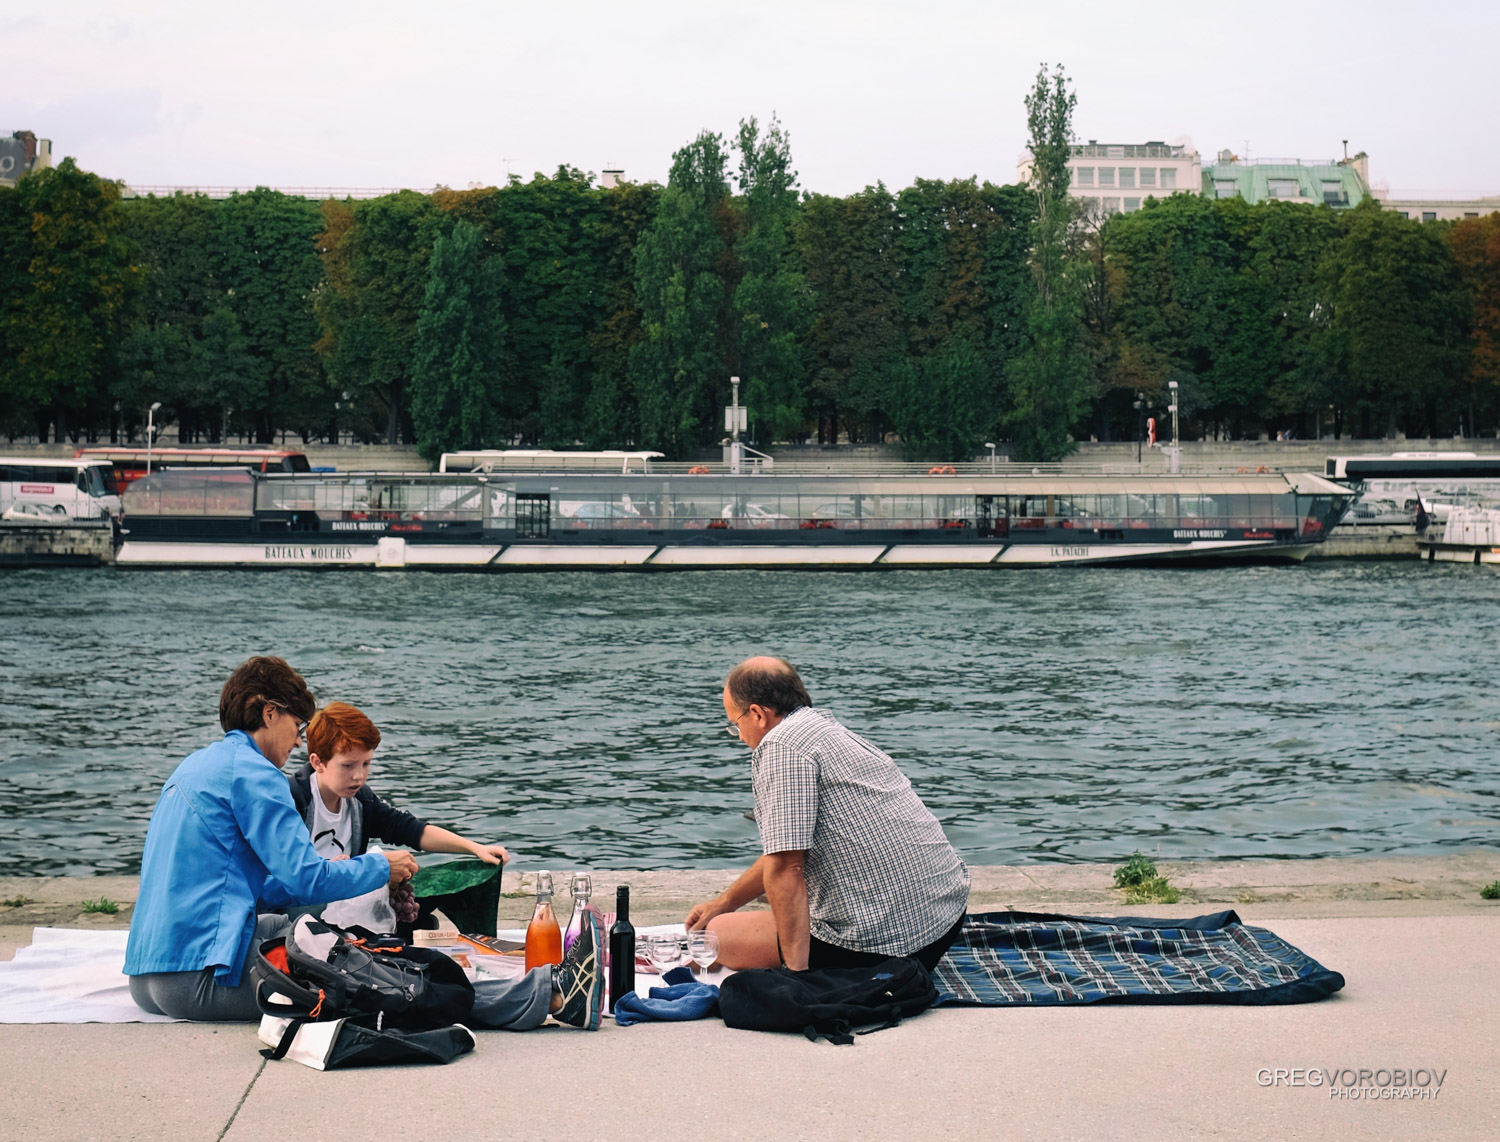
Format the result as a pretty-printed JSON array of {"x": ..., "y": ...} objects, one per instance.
[{"x": 821, "y": 955}]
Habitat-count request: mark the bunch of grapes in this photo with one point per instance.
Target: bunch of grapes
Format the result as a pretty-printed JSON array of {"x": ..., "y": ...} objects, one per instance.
[{"x": 404, "y": 903}]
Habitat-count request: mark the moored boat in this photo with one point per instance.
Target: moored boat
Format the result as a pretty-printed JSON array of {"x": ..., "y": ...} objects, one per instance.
[
  {"x": 535, "y": 519},
  {"x": 1468, "y": 535}
]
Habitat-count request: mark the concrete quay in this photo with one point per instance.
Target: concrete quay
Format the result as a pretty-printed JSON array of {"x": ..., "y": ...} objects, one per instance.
[{"x": 1418, "y": 946}]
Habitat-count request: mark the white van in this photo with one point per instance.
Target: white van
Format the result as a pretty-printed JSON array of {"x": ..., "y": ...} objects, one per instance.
[{"x": 74, "y": 489}]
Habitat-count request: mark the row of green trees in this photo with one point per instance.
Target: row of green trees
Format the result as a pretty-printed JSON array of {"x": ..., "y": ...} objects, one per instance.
[{"x": 553, "y": 312}]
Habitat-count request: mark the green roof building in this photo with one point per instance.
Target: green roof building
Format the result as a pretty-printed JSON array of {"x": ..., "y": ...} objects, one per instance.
[{"x": 1337, "y": 183}]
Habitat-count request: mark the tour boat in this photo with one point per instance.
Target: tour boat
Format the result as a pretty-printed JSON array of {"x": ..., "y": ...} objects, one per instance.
[{"x": 638, "y": 517}]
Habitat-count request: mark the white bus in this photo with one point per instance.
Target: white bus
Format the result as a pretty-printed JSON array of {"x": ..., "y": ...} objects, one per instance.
[
  {"x": 35, "y": 488},
  {"x": 546, "y": 460}
]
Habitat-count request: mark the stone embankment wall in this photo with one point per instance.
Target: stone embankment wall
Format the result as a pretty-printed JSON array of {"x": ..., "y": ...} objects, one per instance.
[{"x": 44, "y": 545}]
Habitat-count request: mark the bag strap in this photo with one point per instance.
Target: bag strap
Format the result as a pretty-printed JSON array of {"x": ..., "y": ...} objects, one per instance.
[{"x": 279, "y": 1051}]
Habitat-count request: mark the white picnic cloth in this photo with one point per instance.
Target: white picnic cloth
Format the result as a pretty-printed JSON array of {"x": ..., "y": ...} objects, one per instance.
[
  {"x": 70, "y": 975},
  {"x": 75, "y": 975}
]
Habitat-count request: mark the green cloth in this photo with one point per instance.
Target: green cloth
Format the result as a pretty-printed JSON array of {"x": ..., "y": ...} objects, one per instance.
[{"x": 465, "y": 891}]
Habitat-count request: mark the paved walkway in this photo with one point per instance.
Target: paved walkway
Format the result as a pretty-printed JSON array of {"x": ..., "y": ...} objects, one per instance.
[{"x": 1420, "y": 951}]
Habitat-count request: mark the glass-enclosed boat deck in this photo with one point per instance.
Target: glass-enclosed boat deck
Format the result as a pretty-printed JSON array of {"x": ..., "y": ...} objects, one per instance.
[{"x": 571, "y": 519}]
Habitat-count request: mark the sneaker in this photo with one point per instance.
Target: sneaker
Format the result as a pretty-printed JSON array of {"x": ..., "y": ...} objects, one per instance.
[{"x": 579, "y": 979}]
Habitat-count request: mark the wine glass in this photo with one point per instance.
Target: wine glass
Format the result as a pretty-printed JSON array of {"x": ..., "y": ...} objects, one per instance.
[
  {"x": 703, "y": 947},
  {"x": 664, "y": 953}
]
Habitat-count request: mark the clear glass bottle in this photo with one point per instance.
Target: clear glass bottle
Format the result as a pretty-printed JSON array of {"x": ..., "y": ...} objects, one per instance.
[
  {"x": 581, "y": 888},
  {"x": 543, "y": 937}
]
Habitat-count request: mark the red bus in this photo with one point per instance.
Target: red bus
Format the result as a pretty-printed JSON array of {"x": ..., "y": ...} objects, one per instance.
[{"x": 129, "y": 464}]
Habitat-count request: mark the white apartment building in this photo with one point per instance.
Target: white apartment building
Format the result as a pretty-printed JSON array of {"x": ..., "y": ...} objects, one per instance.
[
  {"x": 1436, "y": 209},
  {"x": 1117, "y": 177}
]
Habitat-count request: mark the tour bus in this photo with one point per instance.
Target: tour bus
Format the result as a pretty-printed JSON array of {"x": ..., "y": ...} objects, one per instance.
[
  {"x": 129, "y": 464},
  {"x": 34, "y": 487}
]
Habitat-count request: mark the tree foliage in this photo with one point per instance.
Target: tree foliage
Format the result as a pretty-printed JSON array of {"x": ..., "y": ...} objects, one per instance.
[
  {"x": 771, "y": 300},
  {"x": 62, "y": 318},
  {"x": 461, "y": 366},
  {"x": 556, "y": 312},
  {"x": 679, "y": 367},
  {"x": 1050, "y": 382}
]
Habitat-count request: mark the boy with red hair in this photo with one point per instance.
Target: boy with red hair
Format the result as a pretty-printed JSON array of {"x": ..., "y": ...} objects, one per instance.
[{"x": 343, "y": 813}]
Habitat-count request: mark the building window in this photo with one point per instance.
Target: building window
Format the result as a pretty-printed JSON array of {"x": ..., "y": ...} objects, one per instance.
[
  {"x": 1085, "y": 176},
  {"x": 1106, "y": 176},
  {"x": 1403, "y": 214},
  {"x": 1127, "y": 178},
  {"x": 1471, "y": 214},
  {"x": 1169, "y": 178},
  {"x": 1333, "y": 192},
  {"x": 1132, "y": 205},
  {"x": 1148, "y": 177},
  {"x": 1110, "y": 205},
  {"x": 1226, "y": 188},
  {"x": 1284, "y": 187},
  {"x": 1429, "y": 216}
]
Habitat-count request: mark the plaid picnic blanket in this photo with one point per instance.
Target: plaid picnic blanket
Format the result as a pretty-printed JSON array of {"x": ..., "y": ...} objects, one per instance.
[{"x": 1040, "y": 958}]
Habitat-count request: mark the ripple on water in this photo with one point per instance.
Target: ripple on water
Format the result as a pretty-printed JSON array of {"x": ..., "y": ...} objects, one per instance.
[{"x": 1054, "y": 715}]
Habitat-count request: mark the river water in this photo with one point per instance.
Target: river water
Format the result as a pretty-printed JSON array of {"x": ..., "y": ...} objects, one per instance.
[{"x": 1333, "y": 709}]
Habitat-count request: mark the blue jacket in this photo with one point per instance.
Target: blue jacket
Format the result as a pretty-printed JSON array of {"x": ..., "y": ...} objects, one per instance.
[{"x": 223, "y": 838}]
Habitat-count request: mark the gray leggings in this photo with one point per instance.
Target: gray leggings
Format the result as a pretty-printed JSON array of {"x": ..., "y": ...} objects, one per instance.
[
  {"x": 499, "y": 1004},
  {"x": 197, "y": 996}
]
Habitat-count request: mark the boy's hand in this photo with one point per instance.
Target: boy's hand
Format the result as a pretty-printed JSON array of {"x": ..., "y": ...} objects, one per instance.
[
  {"x": 492, "y": 854},
  {"x": 403, "y": 865}
]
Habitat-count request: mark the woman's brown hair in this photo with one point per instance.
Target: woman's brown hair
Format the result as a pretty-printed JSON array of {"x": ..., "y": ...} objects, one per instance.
[{"x": 242, "y": 702}]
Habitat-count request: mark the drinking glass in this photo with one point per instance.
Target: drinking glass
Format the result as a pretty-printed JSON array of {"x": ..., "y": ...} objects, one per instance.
[
  {"x": 664, "y": 953},
  {"x": 703, "y": 947}
]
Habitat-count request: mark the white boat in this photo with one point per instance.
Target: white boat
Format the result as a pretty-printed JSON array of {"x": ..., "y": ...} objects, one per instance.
[
  {"x": 1468, "y": 535},
  {"x": 534, "y": 519}
]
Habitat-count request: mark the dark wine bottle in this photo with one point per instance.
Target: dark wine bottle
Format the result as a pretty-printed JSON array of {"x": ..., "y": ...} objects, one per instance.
[{"x": 621, "y": 948}]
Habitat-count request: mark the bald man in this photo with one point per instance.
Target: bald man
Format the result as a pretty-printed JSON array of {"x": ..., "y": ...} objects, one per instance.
[{"x": 856, "y": 869}]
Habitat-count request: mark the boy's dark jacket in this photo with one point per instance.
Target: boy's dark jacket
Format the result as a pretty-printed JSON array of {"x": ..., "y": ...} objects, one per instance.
[{"x": 372, "y": 816}]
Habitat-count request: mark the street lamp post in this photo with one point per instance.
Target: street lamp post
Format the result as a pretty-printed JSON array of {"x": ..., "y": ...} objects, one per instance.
[
  {"x": 150, "y": 433},
  {"x": 1140, "y": 428},
  {"x": 1176, "y": 447},
  {"x": 991, "y": 446}
]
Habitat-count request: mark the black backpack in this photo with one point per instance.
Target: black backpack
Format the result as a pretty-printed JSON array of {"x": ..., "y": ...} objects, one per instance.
[
  {"x": 830, "y": 1002},
  {"x": 384, "y": 989}
]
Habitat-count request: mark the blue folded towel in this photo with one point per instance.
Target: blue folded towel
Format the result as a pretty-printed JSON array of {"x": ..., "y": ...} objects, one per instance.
[{"x": 679, "y": 1002}]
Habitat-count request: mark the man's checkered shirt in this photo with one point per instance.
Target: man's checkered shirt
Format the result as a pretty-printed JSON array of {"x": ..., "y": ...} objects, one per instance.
[{"x": 881, "y": 876}]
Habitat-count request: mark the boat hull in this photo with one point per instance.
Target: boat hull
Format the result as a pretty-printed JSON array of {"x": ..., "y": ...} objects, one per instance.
[{"x": 400, "y": 554}]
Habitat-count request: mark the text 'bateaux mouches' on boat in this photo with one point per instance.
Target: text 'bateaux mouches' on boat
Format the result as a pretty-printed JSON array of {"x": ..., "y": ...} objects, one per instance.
[{"x": 537, "y": 513}]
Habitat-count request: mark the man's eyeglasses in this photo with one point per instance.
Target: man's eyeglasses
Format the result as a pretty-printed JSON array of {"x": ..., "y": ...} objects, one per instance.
[{"x": 733, "y": 728}]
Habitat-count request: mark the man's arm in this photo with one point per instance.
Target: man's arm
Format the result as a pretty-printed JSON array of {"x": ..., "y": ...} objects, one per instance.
[
  {"x": 749, "y": 886},
  {"x": 786, "y": 891}
]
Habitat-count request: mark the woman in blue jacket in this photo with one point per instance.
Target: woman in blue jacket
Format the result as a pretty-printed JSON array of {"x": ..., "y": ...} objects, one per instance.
[{"x": 226, "y": 850}]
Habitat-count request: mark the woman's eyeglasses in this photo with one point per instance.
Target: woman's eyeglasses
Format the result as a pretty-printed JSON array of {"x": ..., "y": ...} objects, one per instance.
[{"x": 301, "y": 723}]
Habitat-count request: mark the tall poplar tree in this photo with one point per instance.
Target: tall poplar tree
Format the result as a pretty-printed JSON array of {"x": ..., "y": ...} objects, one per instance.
[
  {"x": 678, "y": 367},
  {"x": 1050, "y": 382},
  {"x": 459, "y": 371},
  {"x": 771, "y": 299}
]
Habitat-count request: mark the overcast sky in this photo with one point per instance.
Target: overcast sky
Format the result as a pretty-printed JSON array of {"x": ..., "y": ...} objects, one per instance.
[{"x": 376, "y": 94}]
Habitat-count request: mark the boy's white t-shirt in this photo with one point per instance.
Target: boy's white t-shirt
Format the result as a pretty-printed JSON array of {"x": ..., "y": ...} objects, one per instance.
[{"x": 331, "y": 832}]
